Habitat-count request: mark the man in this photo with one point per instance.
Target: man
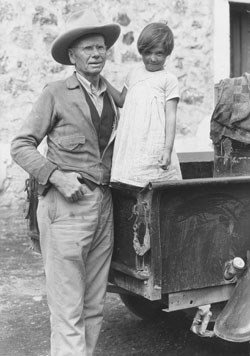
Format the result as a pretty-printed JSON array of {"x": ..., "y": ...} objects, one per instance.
[{"x": 75, "y": 207}]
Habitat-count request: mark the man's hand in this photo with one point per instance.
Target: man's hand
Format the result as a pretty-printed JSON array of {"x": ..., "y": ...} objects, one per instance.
[{"x": 68, "y": 185}]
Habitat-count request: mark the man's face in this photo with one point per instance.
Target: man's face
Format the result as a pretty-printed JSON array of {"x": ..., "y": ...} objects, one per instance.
[{"x": 89, "y": 55}]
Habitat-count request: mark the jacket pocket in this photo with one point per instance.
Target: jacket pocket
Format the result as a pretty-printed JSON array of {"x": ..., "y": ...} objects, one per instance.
[{"x": 72, "y": 143}]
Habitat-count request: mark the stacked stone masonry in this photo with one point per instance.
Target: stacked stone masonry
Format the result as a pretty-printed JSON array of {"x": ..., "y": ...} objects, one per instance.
[{"x": 27, "y": 29}]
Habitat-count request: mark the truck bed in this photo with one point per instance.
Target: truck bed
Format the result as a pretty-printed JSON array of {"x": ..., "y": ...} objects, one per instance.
[{"x": 172, "y": 239}]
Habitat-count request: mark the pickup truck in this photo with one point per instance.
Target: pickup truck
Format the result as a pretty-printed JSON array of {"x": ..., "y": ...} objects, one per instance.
[{"x": 176, "y": 244}]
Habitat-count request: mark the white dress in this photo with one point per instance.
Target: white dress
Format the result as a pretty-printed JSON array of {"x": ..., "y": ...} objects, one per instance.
[{"x": 140, "y": 136}]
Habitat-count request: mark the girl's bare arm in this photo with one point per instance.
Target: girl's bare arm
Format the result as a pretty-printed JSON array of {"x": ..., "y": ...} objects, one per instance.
[{"x": 171, "y": 109}]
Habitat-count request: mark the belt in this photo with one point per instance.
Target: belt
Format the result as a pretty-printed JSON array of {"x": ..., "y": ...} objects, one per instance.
[{"x": 92, "y": 185}]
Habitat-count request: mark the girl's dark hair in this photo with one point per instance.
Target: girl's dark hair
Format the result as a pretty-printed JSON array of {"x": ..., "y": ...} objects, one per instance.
[{"x": 154, "y": 34}]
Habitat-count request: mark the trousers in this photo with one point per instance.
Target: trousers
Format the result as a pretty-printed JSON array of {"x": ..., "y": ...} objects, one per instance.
[{"x": 76, "y": 244}]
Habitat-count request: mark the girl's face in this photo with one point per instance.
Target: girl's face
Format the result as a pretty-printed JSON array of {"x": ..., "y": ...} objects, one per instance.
[{"x": 154, "y": 58}]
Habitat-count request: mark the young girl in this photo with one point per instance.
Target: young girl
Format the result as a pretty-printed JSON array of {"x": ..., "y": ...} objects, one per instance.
[{"x": 143, "y": 149}]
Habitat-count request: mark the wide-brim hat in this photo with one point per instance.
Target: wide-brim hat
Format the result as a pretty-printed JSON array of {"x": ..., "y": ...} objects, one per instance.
[{"x": 80, "y": 24}]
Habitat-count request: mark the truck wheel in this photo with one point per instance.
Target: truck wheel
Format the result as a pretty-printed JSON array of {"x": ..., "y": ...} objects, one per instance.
[{"x": 143, "y": 308}]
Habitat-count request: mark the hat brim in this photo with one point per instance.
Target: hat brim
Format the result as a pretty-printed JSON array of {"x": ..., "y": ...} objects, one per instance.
[{"x": 60, "y": 46}]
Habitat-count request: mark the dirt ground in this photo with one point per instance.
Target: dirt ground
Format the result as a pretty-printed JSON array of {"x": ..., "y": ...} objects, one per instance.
[{"x": 24, "y": 315}]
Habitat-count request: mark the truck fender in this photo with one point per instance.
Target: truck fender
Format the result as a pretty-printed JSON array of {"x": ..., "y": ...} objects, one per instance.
[{"x": 233, "y": 323}]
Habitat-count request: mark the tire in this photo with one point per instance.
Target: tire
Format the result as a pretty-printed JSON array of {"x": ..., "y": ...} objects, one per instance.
[
  {"x": 142, "y": 307},
  {"x": 152, "y": 311}
]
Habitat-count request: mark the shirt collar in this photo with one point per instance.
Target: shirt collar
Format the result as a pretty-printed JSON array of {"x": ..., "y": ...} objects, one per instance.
[{"x": 90, "y": 87}]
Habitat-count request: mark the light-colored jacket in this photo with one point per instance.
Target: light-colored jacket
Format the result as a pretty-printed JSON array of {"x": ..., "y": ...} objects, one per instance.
[{"x": 63, "y": 115}]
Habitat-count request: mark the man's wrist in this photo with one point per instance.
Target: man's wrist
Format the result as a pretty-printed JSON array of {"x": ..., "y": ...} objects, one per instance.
[{"x": 54, "y": 175}]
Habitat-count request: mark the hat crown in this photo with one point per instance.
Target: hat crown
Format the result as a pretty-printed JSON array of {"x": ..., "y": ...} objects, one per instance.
[{"x": 82, "y": 19}]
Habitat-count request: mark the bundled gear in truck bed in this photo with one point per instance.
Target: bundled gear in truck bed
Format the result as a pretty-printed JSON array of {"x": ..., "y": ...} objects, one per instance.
[{"x": 231, "y": 116}]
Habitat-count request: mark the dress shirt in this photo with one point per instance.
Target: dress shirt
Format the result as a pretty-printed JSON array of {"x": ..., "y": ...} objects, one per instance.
[{"x": 96, "y": 94}]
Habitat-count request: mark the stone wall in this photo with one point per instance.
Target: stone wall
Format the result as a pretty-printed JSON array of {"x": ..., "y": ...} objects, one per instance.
[{"x": 27, "y": 29}]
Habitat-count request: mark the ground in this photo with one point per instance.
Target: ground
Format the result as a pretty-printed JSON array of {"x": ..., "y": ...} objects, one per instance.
[{"x": 25, "y": 318}]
